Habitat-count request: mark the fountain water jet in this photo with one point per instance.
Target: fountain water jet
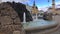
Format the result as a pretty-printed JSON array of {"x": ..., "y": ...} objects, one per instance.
[
  {"x": 24, "y": 18},
  {"x": 36, "y": 16}
]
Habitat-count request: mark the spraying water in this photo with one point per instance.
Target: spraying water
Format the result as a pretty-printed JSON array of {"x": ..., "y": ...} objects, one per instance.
[
  {"x": 36, "y": 16},
  {"x": 24, "y": 18}
]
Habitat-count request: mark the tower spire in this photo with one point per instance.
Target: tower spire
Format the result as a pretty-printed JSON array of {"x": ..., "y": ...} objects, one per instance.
[
  {"x": 48, "y": 0},
  {"x": 34, "y": 3},
  {"x": 53, "y": 6},
  {"x": 34, "y": 8}
]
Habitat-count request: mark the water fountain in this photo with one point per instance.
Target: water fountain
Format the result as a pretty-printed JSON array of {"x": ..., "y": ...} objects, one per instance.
[{"x": 39, "y": 24}]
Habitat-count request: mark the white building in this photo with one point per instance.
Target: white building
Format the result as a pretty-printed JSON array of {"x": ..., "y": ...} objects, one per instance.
[{"x": 57, "y": 9}]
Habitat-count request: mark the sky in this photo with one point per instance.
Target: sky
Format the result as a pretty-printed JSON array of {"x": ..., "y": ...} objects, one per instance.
[{"x": 41, "y": 4}]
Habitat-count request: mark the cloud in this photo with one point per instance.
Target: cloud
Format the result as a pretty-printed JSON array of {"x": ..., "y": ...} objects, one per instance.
[
  {"x": 15, "y": 0},
  {"x": 44, "y": 9},
  {"x": 57, "y": 3},
  {"x": 0, "y": 0}
]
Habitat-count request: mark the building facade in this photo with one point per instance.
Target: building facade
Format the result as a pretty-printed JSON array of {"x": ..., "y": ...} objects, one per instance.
[
  {"x": 34, "y": 9},
  {"x": 57, "y": 10}
]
